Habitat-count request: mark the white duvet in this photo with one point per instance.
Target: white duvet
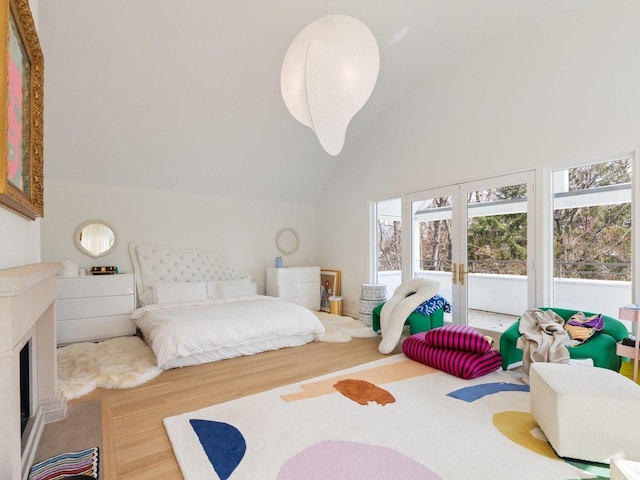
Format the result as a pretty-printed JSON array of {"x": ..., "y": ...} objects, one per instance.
[{"x": 189, "y": 333}]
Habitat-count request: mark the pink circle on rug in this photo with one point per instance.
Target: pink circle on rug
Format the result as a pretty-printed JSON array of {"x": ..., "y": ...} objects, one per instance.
[{"x": 356, "y": 461}]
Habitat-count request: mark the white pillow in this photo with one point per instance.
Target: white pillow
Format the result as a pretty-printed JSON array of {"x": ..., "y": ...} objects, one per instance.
[
  {"x": 236, "y": 288},
  {"x": 147, "y": 298},
  {"x": 179, "y": 292},
  {"x": 212, "y": 290}
]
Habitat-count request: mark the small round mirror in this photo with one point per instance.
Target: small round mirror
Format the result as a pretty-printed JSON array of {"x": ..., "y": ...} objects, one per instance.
[
  {"x": 96, "y": 238},
  {"x": 287, "y": 241}
]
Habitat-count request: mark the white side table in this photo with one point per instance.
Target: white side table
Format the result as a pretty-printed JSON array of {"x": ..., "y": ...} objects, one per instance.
[
  {"x": 299, "y": 285},
  {"x": 94, "y": 307},
  {"x": 632, "y": 313}
]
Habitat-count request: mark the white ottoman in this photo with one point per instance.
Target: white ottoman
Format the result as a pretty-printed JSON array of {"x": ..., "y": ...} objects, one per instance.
[
  {"x": 587, "y": 413},
  {"x": 624, "y": 469}
]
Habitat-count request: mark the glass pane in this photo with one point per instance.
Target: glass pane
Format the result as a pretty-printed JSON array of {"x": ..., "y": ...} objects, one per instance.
[
  {"x": 497, "y": 231},
  {"x": 389, "y": 243},
  {"x": 432, "y": 224},
  {"x": 431, "y": 243},
  {"x": 496, "y": 256},
  {"x": 592, "y": 237}
]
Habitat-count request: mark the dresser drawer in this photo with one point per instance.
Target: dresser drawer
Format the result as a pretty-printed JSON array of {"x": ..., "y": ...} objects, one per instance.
[
  {"x": 93, "y": 307},
  {"x": 298, "y": 275},
  {"x": 95, "y": 286},
  {"x": 79, "y": 330},
  {"x": 289, "y": 290}
]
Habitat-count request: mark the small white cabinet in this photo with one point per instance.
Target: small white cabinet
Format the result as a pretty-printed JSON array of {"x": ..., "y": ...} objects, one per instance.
[
  {"x": 299, "y": 285},
  {"x": 94, "y": 307}
]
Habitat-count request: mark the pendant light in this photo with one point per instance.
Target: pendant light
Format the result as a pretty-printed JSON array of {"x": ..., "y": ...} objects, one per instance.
[{"x": 328, "y": 74}]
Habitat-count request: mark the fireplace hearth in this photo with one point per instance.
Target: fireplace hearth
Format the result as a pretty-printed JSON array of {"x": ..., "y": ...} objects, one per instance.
[{"x": 29, "y": 395}]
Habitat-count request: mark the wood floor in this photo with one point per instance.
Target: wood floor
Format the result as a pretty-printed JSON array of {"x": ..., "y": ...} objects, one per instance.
[{"x": 135, "y": 444}]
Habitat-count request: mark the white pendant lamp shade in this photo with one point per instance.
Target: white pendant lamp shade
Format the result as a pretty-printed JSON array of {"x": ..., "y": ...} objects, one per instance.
[{"x": 328, "y": 74}]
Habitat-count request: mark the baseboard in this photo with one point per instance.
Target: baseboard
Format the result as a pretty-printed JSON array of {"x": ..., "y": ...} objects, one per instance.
[
  {"x": 54, "y": 410},
  {"x": 351, "y": 313},
  {"x": 30, "y": 441}
]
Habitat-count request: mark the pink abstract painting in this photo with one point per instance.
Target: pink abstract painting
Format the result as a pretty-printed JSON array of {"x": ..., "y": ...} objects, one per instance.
[{"x": 15, "y": 96}]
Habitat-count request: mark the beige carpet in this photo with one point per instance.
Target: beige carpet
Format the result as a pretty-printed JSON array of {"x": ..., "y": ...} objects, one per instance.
[
  {"x": 121, "y": 362},
  {"x": 81, "y": 429},
  {"x": 341, "y": 329}
]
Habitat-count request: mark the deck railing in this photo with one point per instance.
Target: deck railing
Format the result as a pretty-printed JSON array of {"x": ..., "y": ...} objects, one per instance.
[
  {"x": 582, "y": 270},
  {"x": 507, "y": 294}
]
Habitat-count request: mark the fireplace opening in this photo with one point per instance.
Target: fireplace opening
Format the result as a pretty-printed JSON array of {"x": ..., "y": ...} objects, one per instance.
[{"x": 25, "y": 386}]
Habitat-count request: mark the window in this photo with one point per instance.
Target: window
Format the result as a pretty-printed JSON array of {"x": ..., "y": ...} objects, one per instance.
[
  {"x": 592, "y": 236},
  {"x": 388, "y": 269},
  {"x": 498, "y": 248}
]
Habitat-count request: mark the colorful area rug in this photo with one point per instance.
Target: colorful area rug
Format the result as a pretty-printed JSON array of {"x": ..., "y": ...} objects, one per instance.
[
  {"x": 393, "y": 418},
  {"x": 626, "y": 369},
  {"x": 121, "y": 362},
  {"x": 67, "y": 464}
]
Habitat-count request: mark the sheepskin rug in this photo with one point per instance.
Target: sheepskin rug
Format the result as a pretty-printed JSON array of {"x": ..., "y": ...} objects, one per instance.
[
  {"x": 121, "y": 362},
  {"x": 341, "y": 329}
]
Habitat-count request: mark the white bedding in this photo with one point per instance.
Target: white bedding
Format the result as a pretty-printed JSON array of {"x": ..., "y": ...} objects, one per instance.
[{"x": 189, "y": 333}]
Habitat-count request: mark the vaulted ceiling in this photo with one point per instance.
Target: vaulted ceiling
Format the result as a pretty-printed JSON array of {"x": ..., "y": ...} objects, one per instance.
[{"x": 185, "y": 96}]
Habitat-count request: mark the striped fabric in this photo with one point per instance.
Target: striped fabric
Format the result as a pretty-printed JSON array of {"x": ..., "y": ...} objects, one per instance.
[
  {"x": 67, "y": 464},
  {"x": 457, "y": 337},
  {"x": 462, "y": 364}
]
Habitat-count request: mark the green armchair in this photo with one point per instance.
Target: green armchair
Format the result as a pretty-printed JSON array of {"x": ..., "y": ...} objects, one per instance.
[
  {"x": 601, "y": 348},
  {"x": 418, "y": 322}
]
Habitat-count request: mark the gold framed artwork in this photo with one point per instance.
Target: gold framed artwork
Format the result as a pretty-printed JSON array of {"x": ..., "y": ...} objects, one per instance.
[
  {"x": 21, "y": 136},
  {"x": 329, "y": 286}
]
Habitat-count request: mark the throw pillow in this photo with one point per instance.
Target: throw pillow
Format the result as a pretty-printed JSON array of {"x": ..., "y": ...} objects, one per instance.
[{"x": 457, "y": 337}]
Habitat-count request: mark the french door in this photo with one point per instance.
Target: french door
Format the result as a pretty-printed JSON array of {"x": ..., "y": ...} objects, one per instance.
[{"x": 477, "y": 240}]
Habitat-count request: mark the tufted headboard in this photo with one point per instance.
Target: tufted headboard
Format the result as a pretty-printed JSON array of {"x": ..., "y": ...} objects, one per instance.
[{"x": 158, "y": 264}]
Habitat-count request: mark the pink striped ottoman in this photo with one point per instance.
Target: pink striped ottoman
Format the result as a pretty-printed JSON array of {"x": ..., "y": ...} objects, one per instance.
[{"x": 456, "y": 349}]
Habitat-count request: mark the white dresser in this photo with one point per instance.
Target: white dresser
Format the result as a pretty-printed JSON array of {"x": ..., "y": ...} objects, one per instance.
[
  {"x": 299, "y": 285},
  {"x": 94, "y": 307}
]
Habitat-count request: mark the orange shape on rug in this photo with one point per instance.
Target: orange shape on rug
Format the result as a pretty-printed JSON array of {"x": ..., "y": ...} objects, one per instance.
[
  {"x": 382, "y": 374},
  {"x": 363, "y": 392}
]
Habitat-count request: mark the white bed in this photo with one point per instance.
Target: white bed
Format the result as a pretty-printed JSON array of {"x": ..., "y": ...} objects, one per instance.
[{"x": 196, "y": 307}]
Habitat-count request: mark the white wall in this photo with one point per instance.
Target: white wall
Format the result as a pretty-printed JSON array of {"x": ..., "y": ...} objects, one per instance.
[
  {"x": 19, "y": 238},
  {"x": 568, "y": 93},
  {"x": 241, "y": 230}
]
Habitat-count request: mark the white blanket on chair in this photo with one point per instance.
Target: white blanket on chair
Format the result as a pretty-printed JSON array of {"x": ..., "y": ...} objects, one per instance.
[
  {"x": 542, "y": 339},
  {"x": 407, "y": 297}
]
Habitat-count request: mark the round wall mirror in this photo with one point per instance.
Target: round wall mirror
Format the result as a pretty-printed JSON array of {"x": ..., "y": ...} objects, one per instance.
[
  {"x": 96, "y": 238},
  {"x": 287, "y": 241}
]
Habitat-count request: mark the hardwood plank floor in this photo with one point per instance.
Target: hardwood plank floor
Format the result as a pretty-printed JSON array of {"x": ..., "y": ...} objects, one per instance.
[{"x": 135, "y": 444}]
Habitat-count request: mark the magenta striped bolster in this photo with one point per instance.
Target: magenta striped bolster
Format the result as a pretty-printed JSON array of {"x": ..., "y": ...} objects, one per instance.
[
  {"x": 457, "y": 337},
  {"x": 465, "y": 365}
]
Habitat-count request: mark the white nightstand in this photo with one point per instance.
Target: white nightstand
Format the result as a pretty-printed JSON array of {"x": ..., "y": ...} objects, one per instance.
[
  {"x": 299, "y": 285},
  {"x": 94, "y": 307}
]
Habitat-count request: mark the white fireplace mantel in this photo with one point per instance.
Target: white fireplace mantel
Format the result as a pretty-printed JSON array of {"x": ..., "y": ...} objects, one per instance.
[{"x": 27, "y": 298}]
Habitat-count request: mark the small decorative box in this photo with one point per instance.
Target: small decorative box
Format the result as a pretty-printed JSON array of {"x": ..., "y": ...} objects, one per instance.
[{"x": 104, "y": 270}]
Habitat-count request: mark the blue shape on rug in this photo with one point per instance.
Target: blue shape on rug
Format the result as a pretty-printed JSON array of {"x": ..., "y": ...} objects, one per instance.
[
  {"x": 223, "y": 443},
  {"x": 476, "y": 392}
]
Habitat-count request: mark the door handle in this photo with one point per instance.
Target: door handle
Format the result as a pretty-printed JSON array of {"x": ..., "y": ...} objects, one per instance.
[
  {"x": 454, "y": 271},
  {"x": 461, "y": 273}
]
